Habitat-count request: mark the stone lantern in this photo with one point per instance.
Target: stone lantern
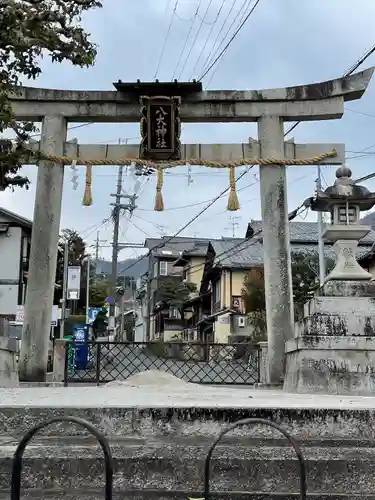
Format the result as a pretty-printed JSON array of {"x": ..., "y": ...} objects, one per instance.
[
  {"x": 345, "y": 200},
  {"x": 333, "y": 349}
]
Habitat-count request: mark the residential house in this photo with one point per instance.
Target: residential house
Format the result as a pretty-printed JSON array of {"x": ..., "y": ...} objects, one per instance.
[
  {"x": 15, "y": 241},
  {"x": 164, "y": 323},
  {"x": 218, "y": 311},
  {"x": 193, "y": 262}
]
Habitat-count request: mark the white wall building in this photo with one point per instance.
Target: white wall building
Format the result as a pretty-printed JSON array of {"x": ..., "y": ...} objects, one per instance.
[{"x": 15, "y": 240}]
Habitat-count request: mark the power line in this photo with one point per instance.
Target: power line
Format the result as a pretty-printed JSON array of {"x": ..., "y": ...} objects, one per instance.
[
  {"x": 354, "y": 67},
  {"x": 185, "y": 225},
  {"x": 208, "y": 37},
  {"x": 221, "y": 54},
  {"x": 139, "y": 228},
  {"x": 360, "y": 61},
  {"x": 214, "y": 48},
  {"x": 248, "y": 242},
  {"x": 187, "y": 39},
  {"x": 199, "y": 202},
  {"x": 218, "y": 65},
  {"x": 166, "y": 39},
  {"x": 195, "y": 38},
  {"x": 350, "y": 71},
  {"x": 158, "y": 226}
]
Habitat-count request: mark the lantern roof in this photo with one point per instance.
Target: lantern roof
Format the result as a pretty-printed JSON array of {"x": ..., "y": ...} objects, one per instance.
[{"x": 344, "y": 190}]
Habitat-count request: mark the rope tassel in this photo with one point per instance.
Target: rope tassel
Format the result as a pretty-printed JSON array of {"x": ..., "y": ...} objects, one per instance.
[
  {"x": 87, "y": 197},
  {"x": 233, "y": 203},
  {"x": 159, "y": 203}
]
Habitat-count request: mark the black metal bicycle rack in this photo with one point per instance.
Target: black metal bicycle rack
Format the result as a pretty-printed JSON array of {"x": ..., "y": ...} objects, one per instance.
[
  {"x": 250, "y": 421},
  {"x": 18, "y": 455}
]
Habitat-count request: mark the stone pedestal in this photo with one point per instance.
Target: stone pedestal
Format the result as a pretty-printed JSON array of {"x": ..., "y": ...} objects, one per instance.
[
  {"x": 8, "y": 362},
  {"x": 334, "y": 346},
  {"x": 59, "y": 360},
  {"x": 264, "y": 374}
]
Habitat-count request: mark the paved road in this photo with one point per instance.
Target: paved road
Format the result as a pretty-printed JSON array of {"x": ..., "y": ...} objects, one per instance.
[{"x": 120, "y": 362}]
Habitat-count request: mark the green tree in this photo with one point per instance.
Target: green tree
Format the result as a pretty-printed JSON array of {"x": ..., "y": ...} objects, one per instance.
[
  {"x": 305, "y": 281},
  {"x": 176, "y": 294},
  {"x": 99, "y": 291},
  {"x": 30, "y": 30}
]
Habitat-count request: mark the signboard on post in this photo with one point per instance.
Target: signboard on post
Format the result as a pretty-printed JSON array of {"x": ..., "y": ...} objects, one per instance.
[
  {"x": 93, "y": 312},
  {"x": 55, "y": 315},
  {"x": 20, "y": 314},
  {"x": 160, "y": 128},
  {"x": 73, "y": 287}
]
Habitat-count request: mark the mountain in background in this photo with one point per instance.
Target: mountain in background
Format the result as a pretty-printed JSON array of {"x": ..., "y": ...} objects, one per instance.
[{"x": 139, "y": 268}]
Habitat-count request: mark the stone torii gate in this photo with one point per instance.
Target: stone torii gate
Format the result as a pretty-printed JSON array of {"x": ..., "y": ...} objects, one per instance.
[{"x": 269, "y": 108}]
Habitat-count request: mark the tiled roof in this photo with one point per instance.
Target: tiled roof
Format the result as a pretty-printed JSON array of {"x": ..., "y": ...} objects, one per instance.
[
  {"x": 307, "y": 232},
  {"x": 176, "y": 246},
  {"x": 251, "y": 253},
  {"x": 16, "y": 217},
  {"x": 369, "y": 219}
]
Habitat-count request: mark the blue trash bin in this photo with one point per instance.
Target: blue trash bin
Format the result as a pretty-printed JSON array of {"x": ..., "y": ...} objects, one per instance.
[{"x": 81, "y": 346}]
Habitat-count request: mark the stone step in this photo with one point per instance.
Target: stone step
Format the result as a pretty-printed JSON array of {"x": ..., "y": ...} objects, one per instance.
[
  {"x": 149, "y": 494},
  {"x": 176, "y": 466},
  {"x": 302, "y": 422}
]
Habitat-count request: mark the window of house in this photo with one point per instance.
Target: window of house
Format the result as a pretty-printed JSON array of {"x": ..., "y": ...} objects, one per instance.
[
  {"x": 163, "y": 268},
  {"x": 155, "y": 269},
  {"x": 173, "y": 313},
  {"x": 216, "y": 295}
]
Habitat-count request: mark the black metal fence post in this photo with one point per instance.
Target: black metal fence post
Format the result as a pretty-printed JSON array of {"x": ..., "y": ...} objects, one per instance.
[
  {"x": 249, "y": 421},
  {"x": 66, "y": 364},
  {"x": 97, "y": 367},
  {"x": 18, "y": 455}
]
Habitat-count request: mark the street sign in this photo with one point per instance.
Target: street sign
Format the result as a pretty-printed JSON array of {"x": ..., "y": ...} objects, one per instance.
[
  {"x": 110, "y": 300},
  {"x": 93, "y": 312}
]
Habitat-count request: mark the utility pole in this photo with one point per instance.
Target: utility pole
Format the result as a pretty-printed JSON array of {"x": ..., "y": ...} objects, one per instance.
[
  {"x": 117, "y": 207},
  {"x": 116, "y": 225},
  {"x": 97, "y": 246},
  {"x": 88, "y": 263},
  {"x": 161, "y": 230},
  {"x": 64, "y": 290},
  {"x": 322, "y": 263}
]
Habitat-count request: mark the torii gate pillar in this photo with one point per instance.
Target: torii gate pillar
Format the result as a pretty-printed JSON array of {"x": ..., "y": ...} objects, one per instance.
[{"x": 276, "y": 244}]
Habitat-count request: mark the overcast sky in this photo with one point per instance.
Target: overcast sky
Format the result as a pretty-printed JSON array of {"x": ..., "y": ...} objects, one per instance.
[{"x": 284, "y": 43}]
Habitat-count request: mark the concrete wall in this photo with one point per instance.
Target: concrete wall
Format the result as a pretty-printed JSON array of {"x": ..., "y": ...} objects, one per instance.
[
  {"x": 8, "y": 362},
  {"x": 195, "y": 270},
  {"x": 10, "y": 254},
  {"x": 222, "y": 329}
]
